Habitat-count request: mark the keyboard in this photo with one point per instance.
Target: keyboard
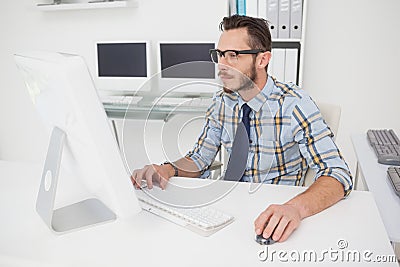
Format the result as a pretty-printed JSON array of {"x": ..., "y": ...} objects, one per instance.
[
  {"x": 120, "y": 100},
  {"x": 394, "y": 177},
  {"x": 166, "y": 102},
  {"x": 386, "y": 146},
  {"x": 183, "y": 102},
  {"x": 201, "y": 220}
]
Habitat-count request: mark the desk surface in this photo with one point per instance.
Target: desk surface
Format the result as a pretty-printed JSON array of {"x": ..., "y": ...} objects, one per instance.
[
  {"x": 147, "y": 239},
  {"x": 376, "y": 180}
]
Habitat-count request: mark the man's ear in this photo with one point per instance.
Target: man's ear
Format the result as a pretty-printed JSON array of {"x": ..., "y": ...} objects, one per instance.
[{"x": 263, "y": 59}]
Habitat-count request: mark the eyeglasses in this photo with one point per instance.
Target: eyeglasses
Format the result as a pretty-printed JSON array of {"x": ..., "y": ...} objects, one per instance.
[{"x": 231, "y": 56}]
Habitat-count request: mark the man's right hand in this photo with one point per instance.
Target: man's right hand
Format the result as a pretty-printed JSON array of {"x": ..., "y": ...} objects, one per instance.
[{"x": 153, "y": 174}]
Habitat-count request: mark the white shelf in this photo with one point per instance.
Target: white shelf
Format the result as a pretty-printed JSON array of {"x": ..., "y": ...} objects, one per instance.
[
  {"x": 287, "y": 40},
  {"x": 97, "y": 5}
]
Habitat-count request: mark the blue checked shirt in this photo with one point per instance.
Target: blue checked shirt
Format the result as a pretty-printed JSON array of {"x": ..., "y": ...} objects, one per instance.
[{"x": 287, "y": 133}]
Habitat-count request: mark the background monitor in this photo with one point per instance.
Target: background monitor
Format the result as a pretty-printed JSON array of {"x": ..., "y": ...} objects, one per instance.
[
  {"x": 122, "y": 65},
  {"x": 82, "y": 147},
  {"x": 182, "y": 64}
]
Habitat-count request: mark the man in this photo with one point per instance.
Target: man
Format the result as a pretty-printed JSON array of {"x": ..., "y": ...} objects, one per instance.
[{"x": 287, "y": 133}]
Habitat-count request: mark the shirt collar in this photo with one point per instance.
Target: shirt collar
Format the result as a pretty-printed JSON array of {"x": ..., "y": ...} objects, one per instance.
[{"x": 259, "y": 100}]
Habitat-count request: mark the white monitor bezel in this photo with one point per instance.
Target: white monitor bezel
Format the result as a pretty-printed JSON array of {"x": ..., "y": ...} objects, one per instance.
[
  {"x": 123, "y": 84},
  {"x": 170, "y": 82}
]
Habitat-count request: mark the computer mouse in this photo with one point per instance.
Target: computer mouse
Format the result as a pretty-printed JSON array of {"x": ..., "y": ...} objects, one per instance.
[{"x": 264, "y": 241}]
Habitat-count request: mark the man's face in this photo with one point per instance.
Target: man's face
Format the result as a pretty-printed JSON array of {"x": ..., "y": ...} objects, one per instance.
[{"x": 238, "y": 73}]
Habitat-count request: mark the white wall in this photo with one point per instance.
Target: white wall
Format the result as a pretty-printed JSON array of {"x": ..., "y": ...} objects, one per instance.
[
  {"x": 352, "y": 57},
  {"x": 22, "y": 26}
]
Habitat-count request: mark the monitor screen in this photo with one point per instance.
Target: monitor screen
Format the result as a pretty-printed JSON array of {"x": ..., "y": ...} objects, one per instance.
[
  {"x": 122, "y": 59},
  {"x": 122, "y": 65},
  {"x": 64, "y": 96},
  {"x": 173, "y": 55}
]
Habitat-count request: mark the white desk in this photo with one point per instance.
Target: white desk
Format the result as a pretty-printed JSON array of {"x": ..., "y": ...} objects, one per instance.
[
  {"x": 151, "y": 241},
  {"x": 375, "y": 178}
]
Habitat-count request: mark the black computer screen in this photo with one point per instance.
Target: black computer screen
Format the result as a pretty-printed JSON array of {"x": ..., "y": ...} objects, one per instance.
[
  {"x": 173, "y": 54},
  {"x": 121, "y": 59}
]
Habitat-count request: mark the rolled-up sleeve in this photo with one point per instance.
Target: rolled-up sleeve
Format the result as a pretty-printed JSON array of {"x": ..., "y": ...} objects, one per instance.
[
  {"x": 316, "y": 144},
  {"x": 208, "y": 143}
]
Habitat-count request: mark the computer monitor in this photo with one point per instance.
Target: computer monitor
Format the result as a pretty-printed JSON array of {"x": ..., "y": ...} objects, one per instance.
[
  {"x": 186, "y": 67},
  {"x": 83, "y": 157},
  {"x": 122, "y": 65}
]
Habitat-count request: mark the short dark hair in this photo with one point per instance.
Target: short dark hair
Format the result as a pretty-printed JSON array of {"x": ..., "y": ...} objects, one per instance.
[{"x": 257, "y": 29}]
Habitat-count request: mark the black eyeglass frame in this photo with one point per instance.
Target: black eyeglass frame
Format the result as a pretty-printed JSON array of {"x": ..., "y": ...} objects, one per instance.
[{"x": 237, "y": 52}]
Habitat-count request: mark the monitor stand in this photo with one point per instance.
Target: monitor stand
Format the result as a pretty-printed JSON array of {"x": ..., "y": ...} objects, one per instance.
[{"x": 86, "y": 213}]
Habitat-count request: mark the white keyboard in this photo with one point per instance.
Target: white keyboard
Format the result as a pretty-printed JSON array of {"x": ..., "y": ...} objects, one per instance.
[
  {"x": 120, "y": 100},
  {"x": 203, "y": 220},
  {"x": 183, "y": 102},
  {"x": 170, "y": 102}
]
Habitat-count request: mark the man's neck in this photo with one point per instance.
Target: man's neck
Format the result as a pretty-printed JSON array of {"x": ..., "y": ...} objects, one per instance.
[{"x": 249, "y": 94}]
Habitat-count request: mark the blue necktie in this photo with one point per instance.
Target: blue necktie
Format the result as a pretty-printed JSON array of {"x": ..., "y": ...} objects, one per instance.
[
  {"x": 246, "y": 122},
  {"x": 246, "y": 118}
]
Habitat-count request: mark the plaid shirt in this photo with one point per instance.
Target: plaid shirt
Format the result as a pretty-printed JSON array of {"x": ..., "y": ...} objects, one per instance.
[{"x": 287, "y": 133}]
